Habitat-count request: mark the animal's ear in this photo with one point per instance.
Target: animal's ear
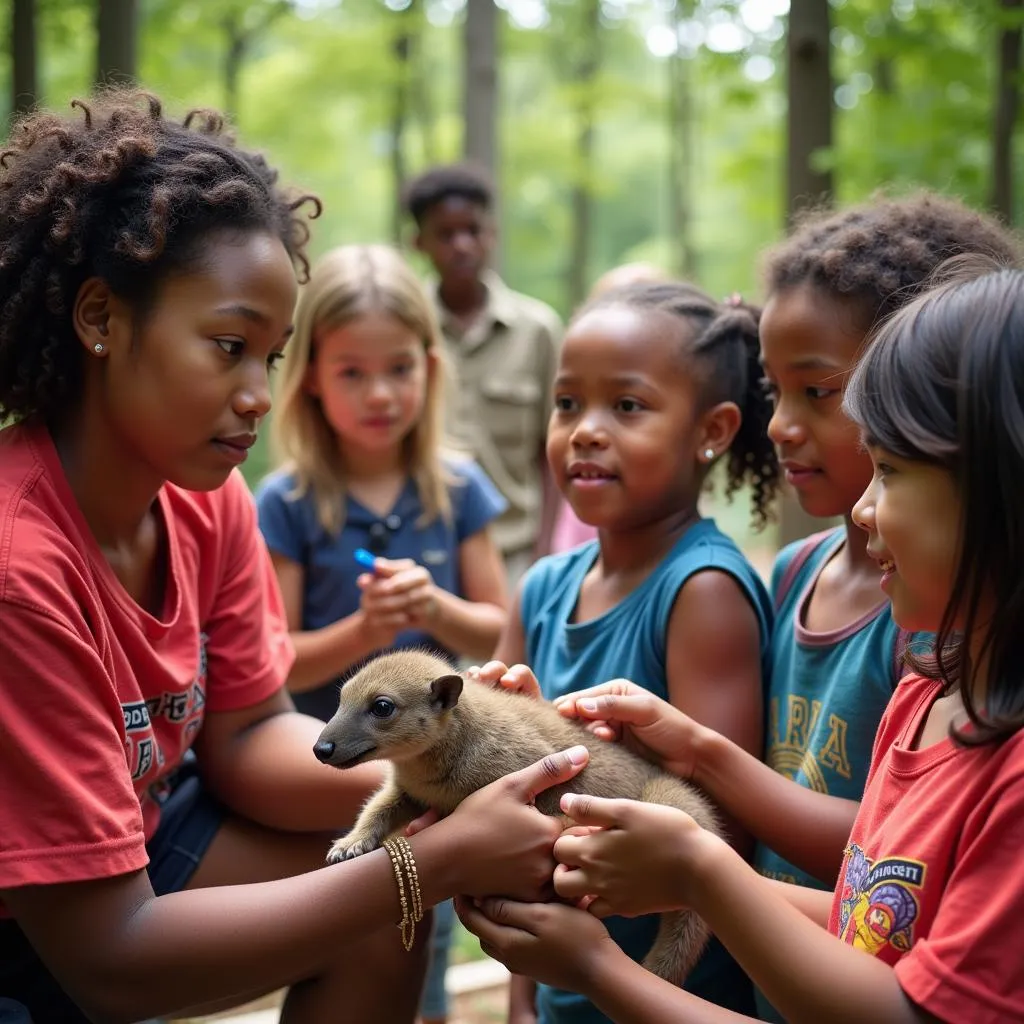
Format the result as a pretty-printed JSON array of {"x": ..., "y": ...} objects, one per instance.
[{"x": 445, "y": 692}]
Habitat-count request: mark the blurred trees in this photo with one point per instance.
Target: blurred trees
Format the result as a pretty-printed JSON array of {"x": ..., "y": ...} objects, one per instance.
[
  {"x": 1007, "y": 105},
  {"x": 620, "y": 129},
  {"x": 24, "y": 49},
  {"x": 624, "y": 129},
  {"x": 116, "y": 41},
  {"x": 480, "y": 111}
]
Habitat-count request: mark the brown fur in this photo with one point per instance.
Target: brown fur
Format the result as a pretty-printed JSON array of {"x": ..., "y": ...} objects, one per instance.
[{"x": 446, "y": 739}]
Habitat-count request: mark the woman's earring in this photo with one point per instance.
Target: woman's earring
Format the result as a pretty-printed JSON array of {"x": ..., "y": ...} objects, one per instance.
[
  {"x": 709, "y": 454},
  {"x": 98, "y": 348}
]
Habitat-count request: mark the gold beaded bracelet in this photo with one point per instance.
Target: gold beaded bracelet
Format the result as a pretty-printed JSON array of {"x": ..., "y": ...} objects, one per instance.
[{"x": 411, "y": 899}]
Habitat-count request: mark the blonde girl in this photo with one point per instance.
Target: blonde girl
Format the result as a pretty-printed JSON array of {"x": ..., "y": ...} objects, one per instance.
[{"x": 357, "y": 426}]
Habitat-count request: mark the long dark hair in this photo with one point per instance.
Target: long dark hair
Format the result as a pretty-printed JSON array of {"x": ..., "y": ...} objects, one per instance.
[{"x": 943, "y": 383}]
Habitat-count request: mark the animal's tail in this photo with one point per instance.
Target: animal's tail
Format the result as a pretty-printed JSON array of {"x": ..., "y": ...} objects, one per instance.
[
  {"x": 682, "y": 935},
  {"x": 681, "y": 939}
]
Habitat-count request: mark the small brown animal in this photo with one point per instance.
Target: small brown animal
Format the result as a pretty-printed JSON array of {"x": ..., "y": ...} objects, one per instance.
[{"x": 446, "y": 740}]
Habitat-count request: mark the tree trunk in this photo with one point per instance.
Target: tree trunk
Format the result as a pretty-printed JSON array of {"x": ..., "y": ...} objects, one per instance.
[
  {"x": 234, "y": 55},
  {"x": 239, "y": 37},
  {"x": 480, "y": 83},
  {"x": 1007, "y": 107},
  {"x": 401, "y": 48},
  {"x": 809, "y": 89},
  {"x": 584, "y": 74},
  {"x": 480, "y": 95},
  {"x": 117, "y": 34},
  {"x": 24, "y": 47},
  {"x": 681, "y": 150},
  {"x": 421, "y": 79}
]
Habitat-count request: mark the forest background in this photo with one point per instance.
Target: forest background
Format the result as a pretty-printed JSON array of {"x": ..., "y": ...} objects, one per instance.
[{"x": 681, "y": 132}]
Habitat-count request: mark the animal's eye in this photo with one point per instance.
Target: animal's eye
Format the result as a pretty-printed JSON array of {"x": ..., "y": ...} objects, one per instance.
[{"x": 382, "y": 708}]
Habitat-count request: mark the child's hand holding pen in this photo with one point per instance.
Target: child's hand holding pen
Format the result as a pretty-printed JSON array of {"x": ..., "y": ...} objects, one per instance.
[{"x": 397, "y": 594}]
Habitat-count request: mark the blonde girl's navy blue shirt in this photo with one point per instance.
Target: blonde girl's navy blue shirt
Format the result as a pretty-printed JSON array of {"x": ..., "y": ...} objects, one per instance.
[{"x": 290, "y": 528}]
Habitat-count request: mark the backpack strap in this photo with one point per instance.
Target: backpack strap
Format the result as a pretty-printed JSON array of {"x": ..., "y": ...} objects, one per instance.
[{"x": 796, "y": 563}]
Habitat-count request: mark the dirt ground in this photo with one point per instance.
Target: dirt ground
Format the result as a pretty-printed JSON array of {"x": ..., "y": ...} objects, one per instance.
[{"x": 488, "y": 1006}]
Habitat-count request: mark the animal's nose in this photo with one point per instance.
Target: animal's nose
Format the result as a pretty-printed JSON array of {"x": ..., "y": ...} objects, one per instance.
[{"x": 324, "y": 750}]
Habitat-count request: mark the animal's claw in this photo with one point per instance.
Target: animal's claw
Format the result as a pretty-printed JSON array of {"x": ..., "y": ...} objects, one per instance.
[{"x": 347, "y": 849}]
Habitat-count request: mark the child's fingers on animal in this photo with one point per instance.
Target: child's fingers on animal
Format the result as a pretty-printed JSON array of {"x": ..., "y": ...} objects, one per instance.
[
  {"x": 634, "y": 709},
  {"x": 616, "y": 687},
  {"x": 592, "y": 810},
  {"x": 548, "y": 771},
  {"x": 520, "y": 679},
  {"x": 581, "y": 830},
  {"x": 609, "y": 732},
  {"x": 561, "y": 871},
  {"x": 491, "y": 672},
  {"x": 566, "y": 706},
  {"x": 571, "y": 882},
  {"x": 576, "y": 885}
]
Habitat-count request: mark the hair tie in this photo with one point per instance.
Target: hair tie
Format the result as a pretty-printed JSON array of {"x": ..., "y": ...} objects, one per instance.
[{"x": 734, "y": 300}]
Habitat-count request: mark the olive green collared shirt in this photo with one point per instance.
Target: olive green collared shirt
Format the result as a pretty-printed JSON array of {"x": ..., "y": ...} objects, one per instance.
[{"x": 499, "y": 399}]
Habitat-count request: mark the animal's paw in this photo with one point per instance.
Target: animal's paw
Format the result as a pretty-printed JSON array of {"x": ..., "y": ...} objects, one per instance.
[{"x": 348, "y": 847}]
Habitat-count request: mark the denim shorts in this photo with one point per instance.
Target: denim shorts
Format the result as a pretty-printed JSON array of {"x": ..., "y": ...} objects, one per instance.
[{"x": 189, "y": 820}]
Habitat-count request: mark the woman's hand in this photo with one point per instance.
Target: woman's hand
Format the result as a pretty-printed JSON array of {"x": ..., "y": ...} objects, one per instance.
[
  {"x": 640, "y": 859},
  {"x": 550, "y": 942},
  {"x": 502, "y": 843},
  {"x": 496, "y": 674},
  {"x": 646, "y": 724}
]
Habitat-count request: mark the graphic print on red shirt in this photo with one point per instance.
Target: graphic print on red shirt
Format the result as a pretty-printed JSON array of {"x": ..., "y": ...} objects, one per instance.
[{"x": 879, "y": 902}]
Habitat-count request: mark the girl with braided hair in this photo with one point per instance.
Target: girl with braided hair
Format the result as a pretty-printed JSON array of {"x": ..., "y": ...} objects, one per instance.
[
  {"x": 656, "y": 384},
  {"x": 151, "y": 759}
]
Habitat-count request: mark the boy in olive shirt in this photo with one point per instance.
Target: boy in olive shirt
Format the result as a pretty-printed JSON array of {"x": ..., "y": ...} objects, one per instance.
[{"x": 503, "y": 349}]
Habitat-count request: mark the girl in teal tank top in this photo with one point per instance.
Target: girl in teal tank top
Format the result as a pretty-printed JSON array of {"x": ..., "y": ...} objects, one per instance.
[{"x": 656, "y": 384}]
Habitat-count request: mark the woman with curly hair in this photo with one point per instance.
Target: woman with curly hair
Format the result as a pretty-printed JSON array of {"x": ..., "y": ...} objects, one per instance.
[{"x": 151, "y": 759}]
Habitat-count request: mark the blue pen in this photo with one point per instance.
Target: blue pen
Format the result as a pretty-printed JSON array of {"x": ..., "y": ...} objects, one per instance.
[{"x": 365, "y": 558}]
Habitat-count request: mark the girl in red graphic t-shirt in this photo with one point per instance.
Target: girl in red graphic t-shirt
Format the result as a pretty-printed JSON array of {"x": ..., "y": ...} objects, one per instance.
[
  {"x": 931, "y": 892},
  {"x": 151, "y": 760}
]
